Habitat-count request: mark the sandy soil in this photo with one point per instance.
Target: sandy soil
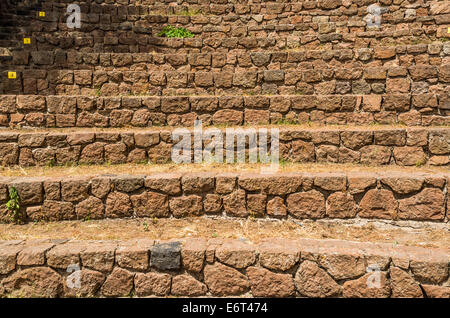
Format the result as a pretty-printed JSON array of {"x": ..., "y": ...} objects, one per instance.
[{"x": 403, "y": 233}]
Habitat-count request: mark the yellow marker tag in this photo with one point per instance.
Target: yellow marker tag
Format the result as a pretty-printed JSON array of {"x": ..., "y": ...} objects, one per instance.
[
  {"x": 27, "y": 41},
  {"x": 448, "y": 30},
  {"x": 41, "y": 13},
  {"x": 12, "y": 75}
]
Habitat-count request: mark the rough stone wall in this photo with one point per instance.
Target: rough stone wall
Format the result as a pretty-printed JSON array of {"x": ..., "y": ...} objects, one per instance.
[
  {"x": 402, "y": 147},
  {"x": 116, "y": 111},
  {"x": 216, "y": 267},
  {"x": 296, "y": 195}
]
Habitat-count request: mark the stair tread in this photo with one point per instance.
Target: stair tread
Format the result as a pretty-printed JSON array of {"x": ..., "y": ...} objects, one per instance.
[{"x": 217, "y": 169}]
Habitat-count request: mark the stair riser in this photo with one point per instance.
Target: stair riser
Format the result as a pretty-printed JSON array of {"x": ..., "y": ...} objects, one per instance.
[
  {"x": 77, "y": 111},
  {"x": 322, "y": 24},
  {"x": 415, "y": 79},
  {"x": 273, "y": 268},
  {"x": 271, "y": 8},
  {"x": 296, "y": 195},
  {"x": 241, "y": 30},
  {"x": 396, "y": 146},
  {"x": 126, "y": 42},
  {"x": 216, "y": 62}
]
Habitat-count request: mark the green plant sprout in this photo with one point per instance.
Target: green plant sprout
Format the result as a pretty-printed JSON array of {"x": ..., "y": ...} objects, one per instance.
[{"x": 173, "y": 32}]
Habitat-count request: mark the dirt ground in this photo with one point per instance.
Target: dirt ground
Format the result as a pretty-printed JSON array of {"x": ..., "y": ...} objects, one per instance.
[
  {"x": 147, "y": 168},
  {"x": 403, "y": 233}
]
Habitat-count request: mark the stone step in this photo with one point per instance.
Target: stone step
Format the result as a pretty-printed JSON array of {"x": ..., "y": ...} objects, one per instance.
[
  {"x": 144, "y": 111},
  {"x": 127, "y": 41},
  {"x": 403, "y": 56},
  {"x": 190, "y": 8},
  {"x": 336, "y": 11},
  {"x": 326, "y": 32},
  {"x": 164, "y": 14},
  {"x": 366, "y": 145},
  {"x": 83, "y": 193},
  {"x": 253, "y": 81},
  {"x": 216, "y": 267}
]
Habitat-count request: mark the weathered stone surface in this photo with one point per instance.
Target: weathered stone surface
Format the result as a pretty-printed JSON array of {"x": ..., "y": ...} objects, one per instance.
[
  {"x": 236, "y": 253},
  {"x": 134, "y": 254},
  {"x": 278, "y": 254},
  {"x": 430, "y": 272},
  {"x": 166, "y": 256},
  {"x": 223, "y": 280},
  {"x": 331, "y": 182},
  {"x": 33, "y": 253},
  {"x": 403, "y": 285},
  {"x": 302, "y": 151},
  {"x": 186, "y": 206},
  {"x": 235, "y": 204},
  {"x": 118, "y": 205},
  {"x": 375, "y": 155},
  {"x": 33, "y": 282},
  {"x": 118, "y": 284},
  {"x": 264, "y": 283},
  {"x": 341, "y": 205},
  {"x": 310, "y": 204},
  {"x": 256, "y": 204},
  {"x": 433, "y": 291},
  {"x": 272, "y": 185},
  {"x": 426, "y": 205},
  {"x": 196, "y": 184},
  {"x": 64, "y": 255},
  {"x": 99, "y": 256},
  {"x": 379, "y": 204},
  {"x": 403, "y": 185},
  {"x": 276, "y": 207},
  {"x": 343, "y": 265},
  {"x": 9, "y": 153},
  {"x": 356, "y": 139},
  {"x": 225, "y": 183},
  {"x": 55, "y": 211},
  {"x": 146, "y": 139},
  {"x": 149, "y": 203},
  {"x": 89, "y": 281},
  {"x": 152, "y": 284},
  {"x": 359, "y": 183},
  {"x": 193, "y": 254},
  {"x": 371, "y": 285},
  {"x": 312, "y": 281},
  {"x": 212, "y": 203},
  {"x": 91, "y": 208},
  {"x": 74, "y": 190},
  {"x": 100, "y": 187},
  {"x": 439, "y": 142},
  {"x": 409, "y": 156},
  {"x": 167, "y": 183},
  {"x": 29, "y": 192},
  {"x": 127, "y": 183},
  {"x": 8, "y": 256},
  {"x": 186, "y": 285}
]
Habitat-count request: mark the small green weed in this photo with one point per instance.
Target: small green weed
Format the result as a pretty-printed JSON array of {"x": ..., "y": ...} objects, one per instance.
[
  {"x": 13, "y": 205},
  {"x": 173, "y": 32}
]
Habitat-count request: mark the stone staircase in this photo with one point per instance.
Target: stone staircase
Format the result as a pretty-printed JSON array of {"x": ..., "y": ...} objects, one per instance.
[{"x": 89, "y": 119}]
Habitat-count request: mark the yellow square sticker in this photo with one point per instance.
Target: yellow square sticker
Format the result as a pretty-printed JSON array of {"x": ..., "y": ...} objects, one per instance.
[
  {"x": 41, "y": 13},
  {"x": 27, "y": 41},
  {"x": 448, "y": 30},
  {"x": 12, "y": 75}
]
